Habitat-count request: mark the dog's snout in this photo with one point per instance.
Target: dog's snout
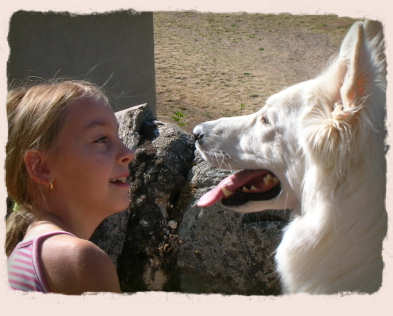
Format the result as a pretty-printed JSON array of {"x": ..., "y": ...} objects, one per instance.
[
  {"x": 198, "y": 136},
  {"x": 198, "y": 133}
]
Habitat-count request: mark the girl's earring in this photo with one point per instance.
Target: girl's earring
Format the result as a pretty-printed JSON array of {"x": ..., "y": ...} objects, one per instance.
[{"x": 51, "y": 186}]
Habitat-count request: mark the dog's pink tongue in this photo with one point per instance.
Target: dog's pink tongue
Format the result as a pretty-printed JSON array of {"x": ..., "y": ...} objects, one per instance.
[
  {"x": 211, "y": 197},
  {"x": 230, "y": 184}
]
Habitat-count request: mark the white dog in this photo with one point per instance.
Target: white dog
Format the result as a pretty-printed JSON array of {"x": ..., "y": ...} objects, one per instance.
[{"x": 316, "y": 148}]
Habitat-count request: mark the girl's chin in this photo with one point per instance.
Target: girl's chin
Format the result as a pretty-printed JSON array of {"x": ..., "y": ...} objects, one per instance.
[{"x": 123, "y": 206}]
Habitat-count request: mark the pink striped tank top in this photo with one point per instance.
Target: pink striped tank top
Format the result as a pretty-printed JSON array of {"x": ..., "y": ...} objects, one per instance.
[{"x": 25, "y": 267}]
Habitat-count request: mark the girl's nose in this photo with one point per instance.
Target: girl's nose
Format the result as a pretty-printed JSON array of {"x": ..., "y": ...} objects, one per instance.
[{"x": 126, "y": 155}]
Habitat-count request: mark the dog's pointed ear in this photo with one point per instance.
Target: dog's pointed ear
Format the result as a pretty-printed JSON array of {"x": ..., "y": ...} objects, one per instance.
[
  {"x": 353, "y": 53},
  {"x": 351, "y": 78},
  {"x": 372, "y": 29},
  {"x": 330, "y": 125}
]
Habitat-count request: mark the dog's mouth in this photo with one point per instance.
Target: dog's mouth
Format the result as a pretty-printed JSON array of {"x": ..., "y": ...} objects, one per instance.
[{"x": 241, "y": 187}]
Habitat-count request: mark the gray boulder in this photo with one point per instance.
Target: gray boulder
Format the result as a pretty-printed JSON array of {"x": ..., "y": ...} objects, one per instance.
[
  {"x": 164, "y": 241},
  {"x": 223, "y": 251}
]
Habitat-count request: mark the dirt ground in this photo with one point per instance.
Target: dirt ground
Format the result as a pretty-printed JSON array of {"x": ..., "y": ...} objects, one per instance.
[{"x": 212, "y": 65}]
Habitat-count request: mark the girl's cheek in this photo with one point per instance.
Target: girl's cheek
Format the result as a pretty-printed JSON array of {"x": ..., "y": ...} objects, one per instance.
[{"x": 106, "y": 157}]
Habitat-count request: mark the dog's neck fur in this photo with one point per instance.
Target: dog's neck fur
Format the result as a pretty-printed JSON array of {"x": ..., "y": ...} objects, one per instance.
[{"x": 349, "y": 223}]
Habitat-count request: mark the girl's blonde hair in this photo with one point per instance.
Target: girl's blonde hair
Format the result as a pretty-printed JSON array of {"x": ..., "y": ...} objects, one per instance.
[{"x": 35, "y": 116}]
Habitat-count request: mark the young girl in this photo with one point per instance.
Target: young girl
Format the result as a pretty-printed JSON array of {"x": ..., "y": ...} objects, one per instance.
[{"x": 66, "y": 171}]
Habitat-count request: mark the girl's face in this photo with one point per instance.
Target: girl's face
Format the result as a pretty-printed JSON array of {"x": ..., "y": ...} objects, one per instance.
[{"x": 89, "y": 163}]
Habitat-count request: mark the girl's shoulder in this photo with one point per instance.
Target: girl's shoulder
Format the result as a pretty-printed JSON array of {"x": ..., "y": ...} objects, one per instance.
[{"x": 73, "y": 265}]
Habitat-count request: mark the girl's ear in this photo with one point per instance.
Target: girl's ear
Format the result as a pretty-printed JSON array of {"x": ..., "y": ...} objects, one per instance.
[{"x": 37, "y": 167}]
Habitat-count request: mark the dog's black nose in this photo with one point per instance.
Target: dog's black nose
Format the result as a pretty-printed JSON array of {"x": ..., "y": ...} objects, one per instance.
[{"x": 198, "y": 134}]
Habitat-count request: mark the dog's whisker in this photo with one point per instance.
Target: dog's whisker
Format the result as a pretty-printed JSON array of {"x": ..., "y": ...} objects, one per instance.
[
  {"x": 219, "y": 160},
  {"x": 222, "y": 162}
]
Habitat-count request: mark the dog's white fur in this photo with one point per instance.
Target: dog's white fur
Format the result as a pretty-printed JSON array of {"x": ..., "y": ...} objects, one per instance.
[{"x": 324, "y": 140}]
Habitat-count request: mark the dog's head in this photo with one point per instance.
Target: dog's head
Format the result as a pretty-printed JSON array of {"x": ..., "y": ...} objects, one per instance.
[{"x": 325, "y": 123}]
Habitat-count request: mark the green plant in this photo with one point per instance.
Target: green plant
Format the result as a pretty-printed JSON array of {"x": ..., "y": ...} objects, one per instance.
[{"x": 179, "y": 118}]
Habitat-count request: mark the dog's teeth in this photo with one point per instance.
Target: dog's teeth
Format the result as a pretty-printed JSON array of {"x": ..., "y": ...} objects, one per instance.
[
  {"x": 267, "y": 180},
  {"x": 270, "y": 180},
  {"x": 226, "y": 192}
]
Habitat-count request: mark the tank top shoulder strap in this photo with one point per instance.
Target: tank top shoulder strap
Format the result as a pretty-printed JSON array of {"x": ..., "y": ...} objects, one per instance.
[
  {"x": 42, "y": 237},
  {"x": 36, "y": 255}
]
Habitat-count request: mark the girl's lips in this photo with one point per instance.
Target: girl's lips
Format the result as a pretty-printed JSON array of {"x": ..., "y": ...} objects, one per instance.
[
  {"x": 120, "y": 184},
  {"x": 120, "y": 181}
]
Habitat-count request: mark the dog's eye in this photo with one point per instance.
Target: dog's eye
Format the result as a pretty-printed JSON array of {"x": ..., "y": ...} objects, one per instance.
[{"x": 265, "y": 120}]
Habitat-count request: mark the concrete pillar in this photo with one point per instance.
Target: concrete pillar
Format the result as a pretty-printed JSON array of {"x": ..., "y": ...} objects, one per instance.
[{"x": 114, "y": 50}]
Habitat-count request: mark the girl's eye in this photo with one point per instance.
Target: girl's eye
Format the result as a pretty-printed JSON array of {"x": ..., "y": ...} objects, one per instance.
[
  {"x": 265, "y": 120},
  {"x": 102, "y": 140}
]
